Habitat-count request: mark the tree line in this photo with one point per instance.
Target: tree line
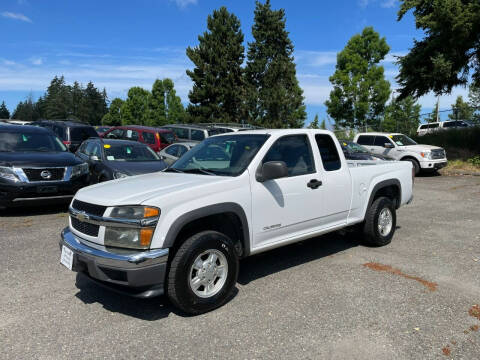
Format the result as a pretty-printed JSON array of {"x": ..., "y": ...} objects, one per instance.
[{"x": 257, "y": 84}]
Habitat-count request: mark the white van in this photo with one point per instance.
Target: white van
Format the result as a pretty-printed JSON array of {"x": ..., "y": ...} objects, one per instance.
[{"x": 444, "y": 125}]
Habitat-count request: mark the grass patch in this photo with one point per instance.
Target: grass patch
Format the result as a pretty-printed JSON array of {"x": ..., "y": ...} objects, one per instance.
[{"x": 457, "y": 166}]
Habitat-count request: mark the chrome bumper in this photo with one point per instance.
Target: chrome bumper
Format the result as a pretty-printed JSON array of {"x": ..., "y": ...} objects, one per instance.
[{"x": 141, "y": 274}]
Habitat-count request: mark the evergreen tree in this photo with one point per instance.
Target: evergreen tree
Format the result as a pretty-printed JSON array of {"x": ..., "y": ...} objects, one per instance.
[
  {"x": 314, "y": 124},
  {"x": 135, "y": 109},
  {"x": 474, "y": 101},
  {"x": 156, "y": 105},
  {"x": 360, "y": 90},
  {"x": 402, "y": 116},
  {"x": 449, "y": 51},
  {"x": 323, "y": 126},
  {"x": 113, "y": 117},
  {"x": 461, "y": 110},
  {"x": 94, "y": 105},
  {"x": 175, "y": 110},
  {"x": 26, "y": 110},
  {"x": 58, "y": 99},
  {"x": 217, "y": 77},
  {"x": 273, "y": 97},
  {"x": 4, "y": 113}
]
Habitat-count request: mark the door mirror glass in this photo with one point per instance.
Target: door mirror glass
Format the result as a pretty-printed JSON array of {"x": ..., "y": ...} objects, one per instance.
[
  {"x": 388, "y": 145},
  {"x": 272, "y": 170}
]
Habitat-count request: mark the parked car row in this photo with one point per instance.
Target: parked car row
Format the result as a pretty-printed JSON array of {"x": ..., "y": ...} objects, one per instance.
[{"x": 442, "y": 125}]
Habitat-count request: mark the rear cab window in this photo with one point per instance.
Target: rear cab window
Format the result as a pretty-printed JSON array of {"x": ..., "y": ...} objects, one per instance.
[
  {"x": 78, "y": 133},
  {"x": 328, "y": 152}
]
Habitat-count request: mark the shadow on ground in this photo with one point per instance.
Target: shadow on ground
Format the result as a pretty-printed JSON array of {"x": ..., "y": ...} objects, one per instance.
[
  {"x": 33, "y": 210},
  {"x": 251, "y": 268}
]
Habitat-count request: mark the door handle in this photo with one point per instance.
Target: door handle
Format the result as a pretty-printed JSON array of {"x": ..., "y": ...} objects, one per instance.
[{"x": 314, "y": 183}]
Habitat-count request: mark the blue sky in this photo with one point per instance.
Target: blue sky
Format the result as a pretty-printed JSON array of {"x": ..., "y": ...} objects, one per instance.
[{"x": 119, "y": 44}]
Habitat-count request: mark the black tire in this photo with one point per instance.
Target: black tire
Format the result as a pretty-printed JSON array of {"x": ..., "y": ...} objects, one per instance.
[
  {"x": 416, "y": 165},
  {"x": 178, "y": 285},
  {"x": 371, "y": 232}
]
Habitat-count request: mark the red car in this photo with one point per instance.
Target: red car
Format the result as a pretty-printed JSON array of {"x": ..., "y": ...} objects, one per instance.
[{"x": 156, "y": 138}]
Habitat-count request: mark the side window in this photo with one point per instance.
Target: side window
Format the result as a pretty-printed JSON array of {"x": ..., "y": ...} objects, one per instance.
[
  {"x": 380, "y": 141},
  {"x": 423, "y": 126},
  {"x": 328, "y": 152},
  {"x": 58, "y": 130},
  {"x": 365, "y": 140},
  {"x": 198, "y": 135},
  {"x": 149, "y": 137},
  {"x": 181, "y": 133},
  {"x": 172, "y": 150},
  {"x": 89, "y": 148},
  {"x": 115, "y": 134},
  {"x": 131, "y": 135},
  {"x": 433, "y": 126},
  {"x": 83, "y": 147},
  {"x": 181, "y": 150},
  {"x": 295, "y": 151},
  {"x": 96, "y": 151}
]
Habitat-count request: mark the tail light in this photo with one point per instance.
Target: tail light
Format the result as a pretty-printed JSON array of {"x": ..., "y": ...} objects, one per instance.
[{"x": 65, "y": 142}]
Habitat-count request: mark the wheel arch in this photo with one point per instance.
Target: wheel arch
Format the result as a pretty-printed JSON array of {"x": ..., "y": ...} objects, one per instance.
[
  {"x": 390, "y": 188},
  {"x": 229, "y": 217}
]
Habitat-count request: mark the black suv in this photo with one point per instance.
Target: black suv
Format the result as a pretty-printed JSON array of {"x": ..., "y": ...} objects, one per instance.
[
  {"x": 71, "y": 133},
  {"x": 35, "y": 165}
]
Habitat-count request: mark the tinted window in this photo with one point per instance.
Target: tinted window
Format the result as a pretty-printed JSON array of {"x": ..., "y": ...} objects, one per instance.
[
  {"x": 423, "y": 126},
  {"x": 172, "y": 150},
  {"x": 182, "y": 150},
  {"x": 365, "y": 139},
  {"x": 197, "y": 135},
  {"x": 59, "y": 131},
  {"x": 328, "y": 152},
  {"x": 24, "y": 141},
  {"x": 167, "y": 137},
  {"x": 149, "y": 137},
  {"x": 116, "y": 134},
  {"x": 131, "y": 135},
  {"x": 82, "y": 133},
  {"x": 433, "y": 126},
  {"x": 181, "y": 133},
  {"x": 380, "y": 141},
  {"x": 295, "y": 151},
  {"x": 83, "y": 147}
]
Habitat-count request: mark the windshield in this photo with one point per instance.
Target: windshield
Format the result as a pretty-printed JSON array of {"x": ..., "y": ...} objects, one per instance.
[
  {"x": 353, "y": 147},
  {"x": 227, "y": 155},
  {"x": 402, "y": 140},
  {"x": 13, "y": 141},
  {"x": 129, "y": 153}
]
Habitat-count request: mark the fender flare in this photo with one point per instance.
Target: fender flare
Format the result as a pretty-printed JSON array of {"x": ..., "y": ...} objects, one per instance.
[
  {"x": 383, "y": 184},
  {"x": 199, "y": 213}
]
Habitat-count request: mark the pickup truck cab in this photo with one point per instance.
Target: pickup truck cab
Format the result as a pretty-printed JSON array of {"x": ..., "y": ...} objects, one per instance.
[
  {"x": 182, "y": 231},
  {"x": 400, "y": 147}
]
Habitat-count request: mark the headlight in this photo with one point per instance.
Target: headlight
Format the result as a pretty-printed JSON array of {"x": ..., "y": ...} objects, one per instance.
[
  {"x": 8, "y": 173},
  {"x": 426, "y": 154},
  {"x": 127, "y": 237},
  {"x": 119, "y": 175},
  {"x": 80, "y": 169}
]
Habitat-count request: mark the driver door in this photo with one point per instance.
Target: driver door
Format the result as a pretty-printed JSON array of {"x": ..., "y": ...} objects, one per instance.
[{"x": 286, "y": 207}]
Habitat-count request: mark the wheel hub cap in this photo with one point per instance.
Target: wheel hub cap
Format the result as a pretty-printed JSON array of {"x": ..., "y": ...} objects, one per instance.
[
  {"x": 208, "y": 273},
  {"x": 385, "y": 222}
]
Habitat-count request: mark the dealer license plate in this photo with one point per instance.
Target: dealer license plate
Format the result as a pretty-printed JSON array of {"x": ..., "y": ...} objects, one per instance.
[{"x": 67, "y": 257}]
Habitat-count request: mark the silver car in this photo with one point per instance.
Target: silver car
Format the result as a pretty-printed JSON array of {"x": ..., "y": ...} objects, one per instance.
[{"x": 171, "y": 153}]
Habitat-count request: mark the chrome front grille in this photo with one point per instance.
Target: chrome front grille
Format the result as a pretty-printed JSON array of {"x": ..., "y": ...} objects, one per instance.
[
  {"x": 44, "y": 174},
  {"x": 438, "y": 154}
]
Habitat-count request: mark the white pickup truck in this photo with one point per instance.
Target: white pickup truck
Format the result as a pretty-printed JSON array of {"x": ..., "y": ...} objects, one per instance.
[
  {"x": 401, "y": 147},
  {"x": 182, "y": 231}
]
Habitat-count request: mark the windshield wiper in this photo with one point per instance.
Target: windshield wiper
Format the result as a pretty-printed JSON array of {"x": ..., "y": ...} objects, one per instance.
[
  {"x": 200, "y": 170},
  {"x": 173, "y": 169}
]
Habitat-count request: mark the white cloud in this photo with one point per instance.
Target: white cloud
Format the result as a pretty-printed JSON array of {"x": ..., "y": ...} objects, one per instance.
[
  {"x": 16, "y": 16},
  {"x": 388, "y": 3},
  {"x": 184, "y": 3},
  {"x": 316, "y": 58},
  {"x": 383, "y": 3},
  {"x": 8, "y": 62},
  {"x": 36, "y": 60}
]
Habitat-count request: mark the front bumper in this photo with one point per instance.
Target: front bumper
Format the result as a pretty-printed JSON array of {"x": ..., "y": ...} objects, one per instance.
[
  {"x": 20, "y": 193},
  {"x": 139, "y": 274},
  {"x": 433, "y": 164}
]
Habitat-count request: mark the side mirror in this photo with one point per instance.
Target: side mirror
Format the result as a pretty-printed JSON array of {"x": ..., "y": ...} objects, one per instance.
[
  {"x": 94, "y": 158},
  {"x": 388, "y": 145},
  {"x": 271, "y": 170}
]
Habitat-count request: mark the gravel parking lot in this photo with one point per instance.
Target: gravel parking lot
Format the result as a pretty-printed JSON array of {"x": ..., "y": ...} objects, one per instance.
[{"x": 328, "y": 297}]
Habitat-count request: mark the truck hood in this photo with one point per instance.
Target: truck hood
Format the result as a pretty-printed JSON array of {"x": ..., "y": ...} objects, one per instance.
[
  {"x": 420, "y": 148},
  {"x": 138, "y": 189}
]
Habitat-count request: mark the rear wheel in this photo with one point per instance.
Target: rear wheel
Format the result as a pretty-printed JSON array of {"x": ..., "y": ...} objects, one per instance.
[
  {"x": 203, "y": 273},
  {"x": 380, "y": 222}
]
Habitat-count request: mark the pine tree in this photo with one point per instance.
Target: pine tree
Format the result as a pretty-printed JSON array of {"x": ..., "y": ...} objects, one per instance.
[
  {"x": 58, "y": 99},
  {"x": 461, "y": 110},
  {"x": 156, "y": 105},
  {"x": 26, "y": 110},
  {"x": 135, "y": 109},
  {"x": 402, "y": 116},
  {"x": 474, "y": 101},
  {"x": 273, "y": 97},
  {"x": 314, "y": 124},
  {"x": 323, "y": 126},
  {"x": 113, "y": 117},
  {"x": 217, "y": 78},
  {"x": 175, "y": 109},
  {"x": 4, "y": 113}
]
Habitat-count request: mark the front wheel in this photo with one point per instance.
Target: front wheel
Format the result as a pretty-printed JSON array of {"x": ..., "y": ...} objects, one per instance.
[
  {"x": 203, "y": 273},
  {"x": 380, "y": 222}
]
